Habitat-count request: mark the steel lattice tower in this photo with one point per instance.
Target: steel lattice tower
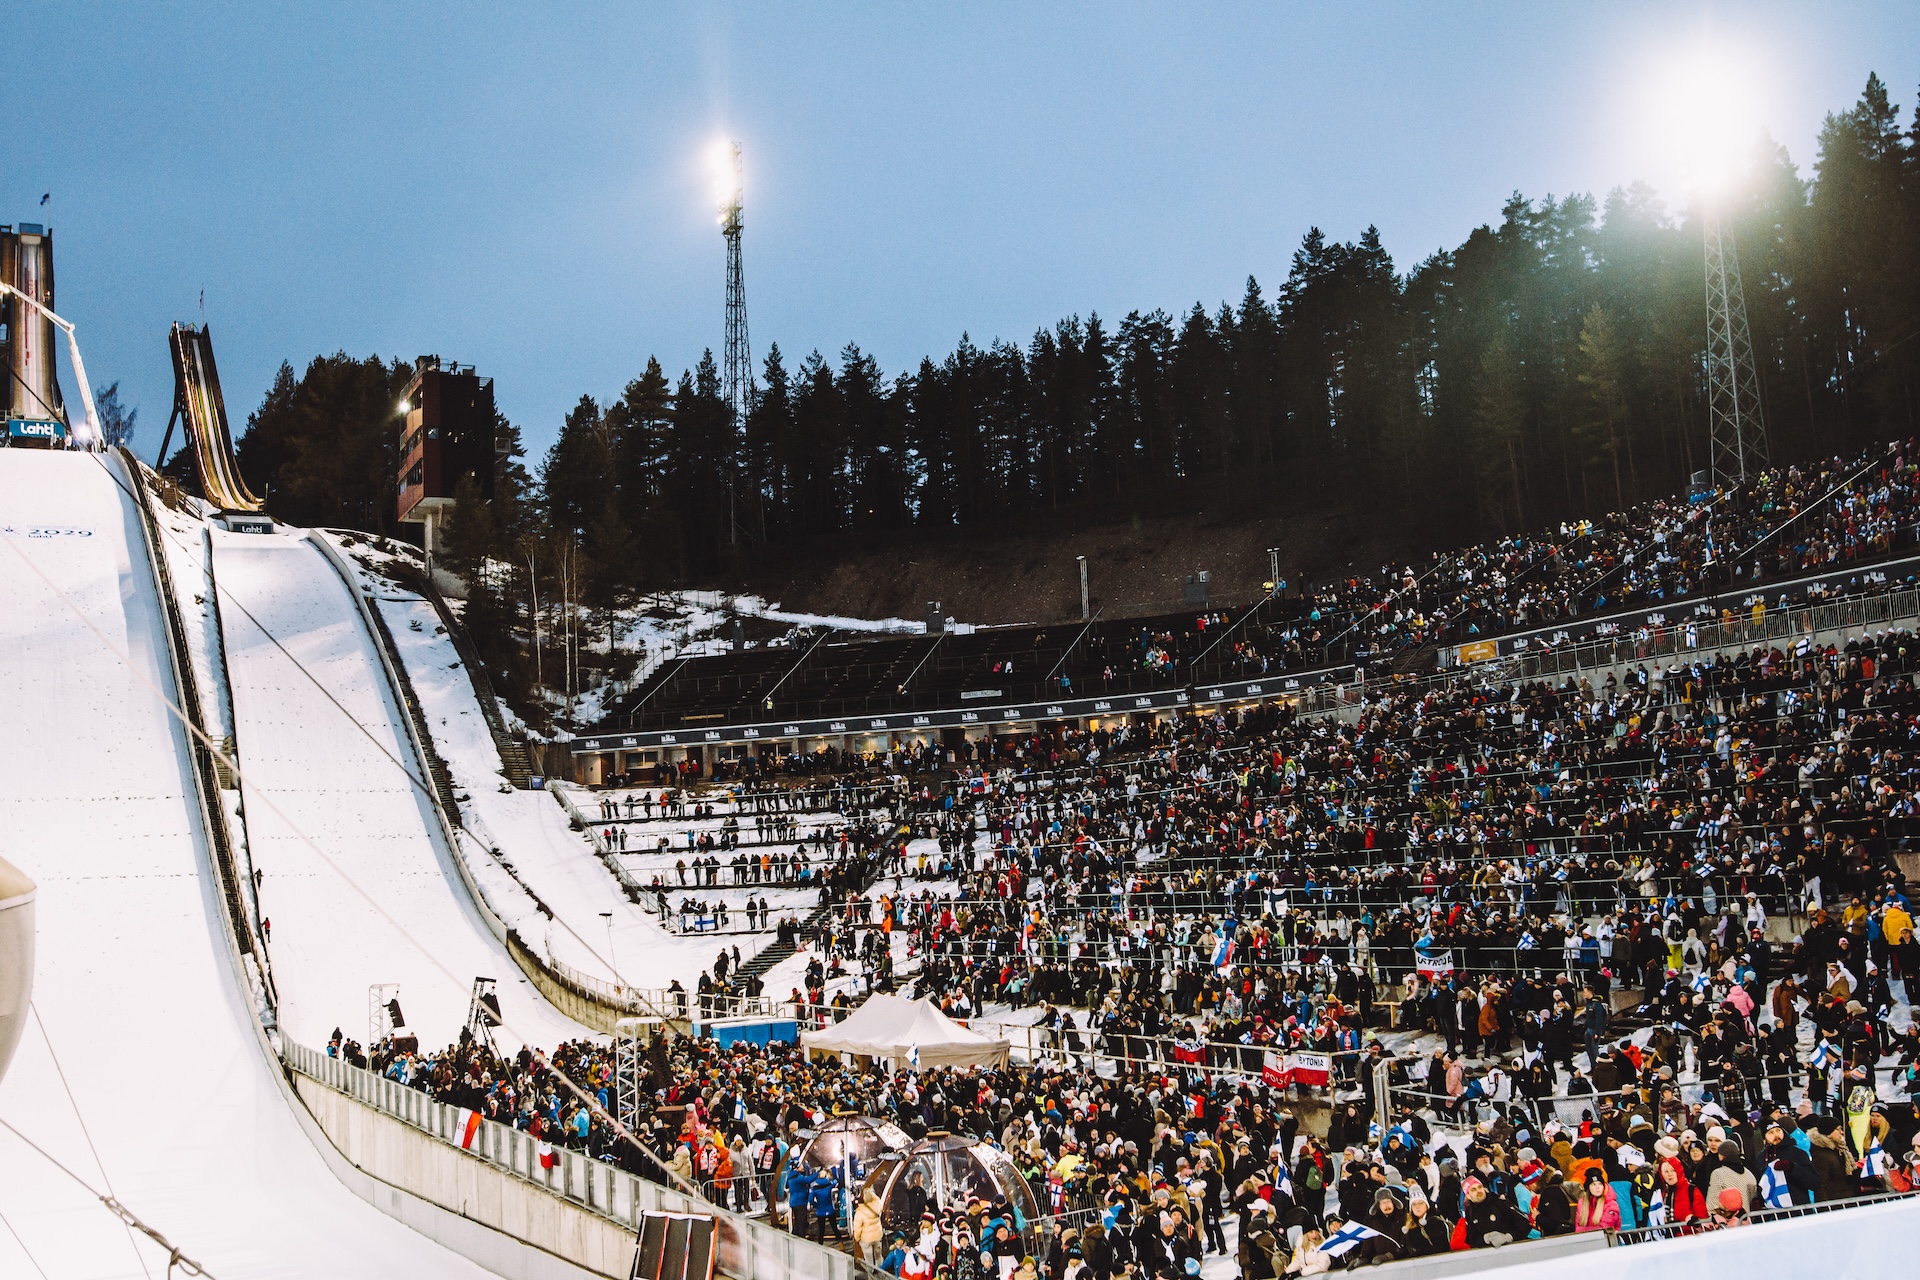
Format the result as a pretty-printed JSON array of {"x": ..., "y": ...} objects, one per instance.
[
  {"x": 737, "y": 375},
  {"x": 1737, "y": 428}
]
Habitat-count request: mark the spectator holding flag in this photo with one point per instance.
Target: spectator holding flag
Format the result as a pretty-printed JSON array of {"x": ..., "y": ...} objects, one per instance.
[{"x": 1788, "y": 1176}]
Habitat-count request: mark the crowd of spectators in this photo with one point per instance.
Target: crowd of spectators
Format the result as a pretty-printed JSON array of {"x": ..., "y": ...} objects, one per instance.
[{"x": 1631, "y": 951}]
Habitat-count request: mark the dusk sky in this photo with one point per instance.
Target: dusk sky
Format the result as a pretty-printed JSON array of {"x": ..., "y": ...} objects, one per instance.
[{"x": 533, "y": 193}]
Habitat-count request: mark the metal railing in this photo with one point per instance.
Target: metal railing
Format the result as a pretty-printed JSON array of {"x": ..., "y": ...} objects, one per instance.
[
  {"x": 1640, "y": 1235},
  {"x": 745, "y": 1248}
]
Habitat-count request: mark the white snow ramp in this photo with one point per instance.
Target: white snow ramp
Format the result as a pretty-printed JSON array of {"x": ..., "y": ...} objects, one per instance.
[
  {"x": 134, "y": 984},
  {"x": 321, "y": 747}
]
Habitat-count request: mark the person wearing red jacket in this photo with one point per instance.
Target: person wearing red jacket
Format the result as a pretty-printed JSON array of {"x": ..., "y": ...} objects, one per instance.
[{"x": 1681, "y": 1203}]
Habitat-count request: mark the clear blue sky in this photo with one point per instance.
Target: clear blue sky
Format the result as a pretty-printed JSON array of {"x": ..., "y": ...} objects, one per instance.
[{"x": 527, "y": 187}]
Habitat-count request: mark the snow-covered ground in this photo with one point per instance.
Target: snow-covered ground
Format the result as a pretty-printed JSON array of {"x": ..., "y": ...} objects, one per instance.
[
  {"x": 355, "y": 878},
  {"x": 594, "y": 928},
  {"x": 134, "y": 985}
]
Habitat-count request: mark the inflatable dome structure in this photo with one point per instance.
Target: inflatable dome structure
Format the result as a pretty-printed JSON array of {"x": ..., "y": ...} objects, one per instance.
[
  {"x": 944, "y": 1172},
  {"x": 850, "y": 1145}
]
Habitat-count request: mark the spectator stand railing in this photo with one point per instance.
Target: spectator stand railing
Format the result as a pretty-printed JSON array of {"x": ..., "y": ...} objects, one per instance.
[
  {"x": 1708, "y": 637},
  {"x": 747, "y": 1249},
  {"x": 1641, "y": 1235}
]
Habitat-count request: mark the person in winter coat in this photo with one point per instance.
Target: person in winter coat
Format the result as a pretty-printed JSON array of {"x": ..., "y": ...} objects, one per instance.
[
  {"x": 1680, "y": 1201},
  {"x": 1552, "y": 1210},
  {"x": 1597, "y": 1209},
  {"x": 1790, "y": 1161},
  {"x": 682, "y": 1162},
  {"x": 866, "y": 1227},
  {"x": 1732, "y": 1173},
  {"x": 1832, "y": 1166},
  {"x": 823, "y": 1191},
  {"x": 799, "y": 1196},
  {"x": 1491, "y": 1220},
  {"x": 1309, "y": 1260},
  {"x": 1422, "y": 1234}
]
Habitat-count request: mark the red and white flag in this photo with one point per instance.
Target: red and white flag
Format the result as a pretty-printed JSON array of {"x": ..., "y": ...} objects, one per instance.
[
  {"x": 1310, "y": 1068},
  {"x": 547, "y": 1157},
  {"x": 466, "y": 1129},
  {"x": 1275, "y": 1071}
]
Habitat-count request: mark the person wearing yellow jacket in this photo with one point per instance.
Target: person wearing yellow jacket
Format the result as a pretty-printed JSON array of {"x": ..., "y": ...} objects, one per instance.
[{"x": 866, "y": 1228}]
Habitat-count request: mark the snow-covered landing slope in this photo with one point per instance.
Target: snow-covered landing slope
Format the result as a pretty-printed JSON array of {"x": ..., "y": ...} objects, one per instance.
[
  {"x": 628, "y": 947},
  {"x": 134, "y": 983},
  {"x": 320, "y": 748}
]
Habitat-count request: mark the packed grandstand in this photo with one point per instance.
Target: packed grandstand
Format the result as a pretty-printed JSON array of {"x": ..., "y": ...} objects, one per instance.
[
  {"x": 1791, "y": 536},
  {"x": 1466, "y": 958}
]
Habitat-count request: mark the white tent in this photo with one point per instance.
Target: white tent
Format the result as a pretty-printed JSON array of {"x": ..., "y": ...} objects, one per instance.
[{"x": 906, "y": 1033}]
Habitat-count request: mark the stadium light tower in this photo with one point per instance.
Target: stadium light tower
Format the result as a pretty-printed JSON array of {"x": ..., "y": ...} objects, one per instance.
[
  {"x": 737, "y": 371},
  {"x": 736, "y": 376},
  {"x": 1711, "y": 123}
]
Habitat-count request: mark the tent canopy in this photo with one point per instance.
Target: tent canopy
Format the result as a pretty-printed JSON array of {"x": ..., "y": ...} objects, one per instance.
[{"x": 897, "y": 1031}]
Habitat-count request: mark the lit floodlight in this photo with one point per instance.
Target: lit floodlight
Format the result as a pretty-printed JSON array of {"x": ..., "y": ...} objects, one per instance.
[
  {"x": 1707, "y": 112},
  {"x": 406, "y": 406},
  {"x": 726, "y": 178}
]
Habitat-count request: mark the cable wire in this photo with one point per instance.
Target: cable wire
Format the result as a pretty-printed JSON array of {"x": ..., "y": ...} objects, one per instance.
[
  {"x": 23, "y": 1246},
  {"x": 175, "y": 1258},
  {"x": 73, "y": 1102}
]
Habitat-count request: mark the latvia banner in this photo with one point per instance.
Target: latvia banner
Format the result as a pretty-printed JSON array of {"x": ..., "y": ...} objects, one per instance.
[
  {"x": 1275, "y": 1072},
  {"x": 466, "y": 1129},
  {"x": 1437, "y": 965},
  {"x": 1310, "y": 1068}
]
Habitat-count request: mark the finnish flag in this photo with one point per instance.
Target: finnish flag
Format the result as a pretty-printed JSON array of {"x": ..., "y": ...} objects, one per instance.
[
  {"x": 1657, "y": 1208},
  {"x": 1346, "y": 1237},
  {"x": 1876, "y": 1164},
  {"x": 913, "y": 1056},
  {"x": 1283, "y": 1183},
  {"x": 1773, "y": 1188},
  {"x": 1701, "y": 982},
  {"x": 1822, "y": 1057}
]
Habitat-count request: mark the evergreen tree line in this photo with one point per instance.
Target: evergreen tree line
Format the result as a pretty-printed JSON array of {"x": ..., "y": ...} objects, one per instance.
[{"x": 1552, "y": 365}]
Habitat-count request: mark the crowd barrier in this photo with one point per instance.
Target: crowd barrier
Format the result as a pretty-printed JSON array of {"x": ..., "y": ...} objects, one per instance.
[{"x": 746, "y": 1249}]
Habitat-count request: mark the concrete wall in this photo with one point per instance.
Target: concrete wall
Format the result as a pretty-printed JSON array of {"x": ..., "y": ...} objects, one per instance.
[{"x": 557, "y": 1240}]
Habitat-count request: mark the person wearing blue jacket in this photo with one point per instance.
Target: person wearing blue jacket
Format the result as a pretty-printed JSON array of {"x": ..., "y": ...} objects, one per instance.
[
  {"x": 799, "y": 1195},
  {"x": 822, "y": 1190}
]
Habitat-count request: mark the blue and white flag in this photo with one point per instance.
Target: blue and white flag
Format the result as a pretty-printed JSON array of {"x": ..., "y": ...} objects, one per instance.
[
  {"x": 1822, "y": 1057},
  {"x": 1346, "y": 1237},
  {"x": 913, "y": 1056},
  {"x": 1657, "y": 1208},
  {"x": 1701, "y": 982},
  {"x": 1876, "y": 1164},
  {"x": 1223, "y": 950},
  {"x": 1773, "y": 1188},
  {"x": 1283, "y": 1183}
]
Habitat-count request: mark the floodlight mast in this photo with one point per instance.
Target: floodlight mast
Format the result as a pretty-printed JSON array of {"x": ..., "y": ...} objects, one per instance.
[
  {"x": 737, "y": 368},
  {"x": 1736, "y": 426}
]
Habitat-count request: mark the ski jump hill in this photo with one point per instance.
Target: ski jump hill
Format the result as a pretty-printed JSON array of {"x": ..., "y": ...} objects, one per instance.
[
  {"x": 223, "y": 790},
  {"x": 142, "y": 1071}
]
